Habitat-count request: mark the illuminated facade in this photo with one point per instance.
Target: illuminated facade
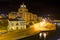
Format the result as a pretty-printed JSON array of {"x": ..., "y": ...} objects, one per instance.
[
  {"x": 12, "y": 15},
  {"x": 22, "y": 12},
  {"x": 15, "y": 24},
  {"x": 35, "y": 17}
]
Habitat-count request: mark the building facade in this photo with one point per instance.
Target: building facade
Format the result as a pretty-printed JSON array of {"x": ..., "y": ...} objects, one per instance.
[
  {"x": 27, "y": 16},
  {"x": 12, "y": 15},
  {"x": 14, "y": 20},
  {"x": 15, "y": 24}
]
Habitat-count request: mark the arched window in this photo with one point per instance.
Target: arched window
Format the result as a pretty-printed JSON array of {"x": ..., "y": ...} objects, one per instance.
[{"x": 17, "y": 24}]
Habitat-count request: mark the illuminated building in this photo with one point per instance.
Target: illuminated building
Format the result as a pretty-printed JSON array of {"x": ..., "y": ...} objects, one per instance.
[
  {"x": 15, "y": 24},
  {"x": 35, "y": 17},
  {"x": 27, "y": 16},
  {"x": 12, "y": 15},
  {"x": 23, "y": 12},
  {"x": 31, "y": 16}
]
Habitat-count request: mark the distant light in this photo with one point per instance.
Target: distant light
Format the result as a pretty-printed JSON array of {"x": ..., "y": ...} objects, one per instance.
[
  {"x": 42, "y": 23},
  {"x": 44, "y": 34},
  {"x": 40, "y": 34},
  {"x": 48, "y": 14},
  {"x": 4, "y": 16},
  {"x": 23, "y": 5},
  {"x": 55, "y": 23},
  {"x": 45, "y": 18}
]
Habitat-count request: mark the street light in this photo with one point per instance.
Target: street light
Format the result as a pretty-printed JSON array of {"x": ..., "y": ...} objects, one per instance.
[
  {"x": 40, "y": 34},
  {"x": 44, "y": 35}
]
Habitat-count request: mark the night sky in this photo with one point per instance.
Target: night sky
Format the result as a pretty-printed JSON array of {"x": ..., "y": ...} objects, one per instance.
[{"x": 35, "y": 6}]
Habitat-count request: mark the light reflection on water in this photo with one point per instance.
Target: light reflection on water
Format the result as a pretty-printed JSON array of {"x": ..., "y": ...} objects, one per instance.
[{"x": 50, "y": 35}]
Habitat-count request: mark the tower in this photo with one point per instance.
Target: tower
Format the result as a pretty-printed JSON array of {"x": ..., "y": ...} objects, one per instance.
[
  {"x": 23, "y": 12},
  {"x": 22, "y": 8}
]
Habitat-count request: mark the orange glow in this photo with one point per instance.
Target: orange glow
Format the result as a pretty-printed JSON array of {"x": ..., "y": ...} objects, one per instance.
[
  {"x": 44, "y": 34},
  {"x": 44, "y": 26},
  {"x": 40, "y": 34},
  {"x": 42, "y": 23},
  {"x": 36, "y": 26}
]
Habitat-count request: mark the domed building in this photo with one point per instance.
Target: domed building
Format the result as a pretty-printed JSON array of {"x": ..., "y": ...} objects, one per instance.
[{"x": 27, "y": 16}]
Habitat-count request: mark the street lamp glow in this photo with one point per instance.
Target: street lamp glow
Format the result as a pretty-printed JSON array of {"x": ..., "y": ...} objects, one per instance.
[
  {"x": 36, "y": 26},
  {"x": 42, "y": 23},
  {"x": 43, "y": 20},
  {"x": 44, "y": 34},
  {"x": 40, "y": 34}
]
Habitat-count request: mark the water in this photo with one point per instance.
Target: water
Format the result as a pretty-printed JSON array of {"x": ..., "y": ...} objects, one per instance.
[
  {"x": 52, "y": 35},
  {"x": 58, "y": 32}
]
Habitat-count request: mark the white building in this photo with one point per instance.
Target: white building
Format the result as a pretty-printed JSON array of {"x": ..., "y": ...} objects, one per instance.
[{"x": 15, "y": 24}]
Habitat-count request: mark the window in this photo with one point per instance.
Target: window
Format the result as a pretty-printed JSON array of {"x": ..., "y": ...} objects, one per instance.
[
  {"x": 20, "y": 10},
  {"x": 17, "y": 24}
]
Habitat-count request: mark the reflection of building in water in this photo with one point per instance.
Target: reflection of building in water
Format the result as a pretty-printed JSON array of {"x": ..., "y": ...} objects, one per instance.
[{"x": 15, "y": 24}]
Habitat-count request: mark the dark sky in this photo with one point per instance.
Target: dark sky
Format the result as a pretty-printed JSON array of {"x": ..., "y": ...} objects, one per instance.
[{"x": 35, "y": 6}]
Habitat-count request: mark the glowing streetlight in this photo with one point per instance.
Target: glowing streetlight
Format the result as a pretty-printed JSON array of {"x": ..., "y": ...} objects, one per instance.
[
  {"x": 40, "y": 34},
  {"x": 44, "y": 35}
]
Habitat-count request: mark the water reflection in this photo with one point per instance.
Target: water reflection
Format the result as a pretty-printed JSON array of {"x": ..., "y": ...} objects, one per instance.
[
  {"x": 43, "y": 35},
  {"x": 50, "y": 35}
]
